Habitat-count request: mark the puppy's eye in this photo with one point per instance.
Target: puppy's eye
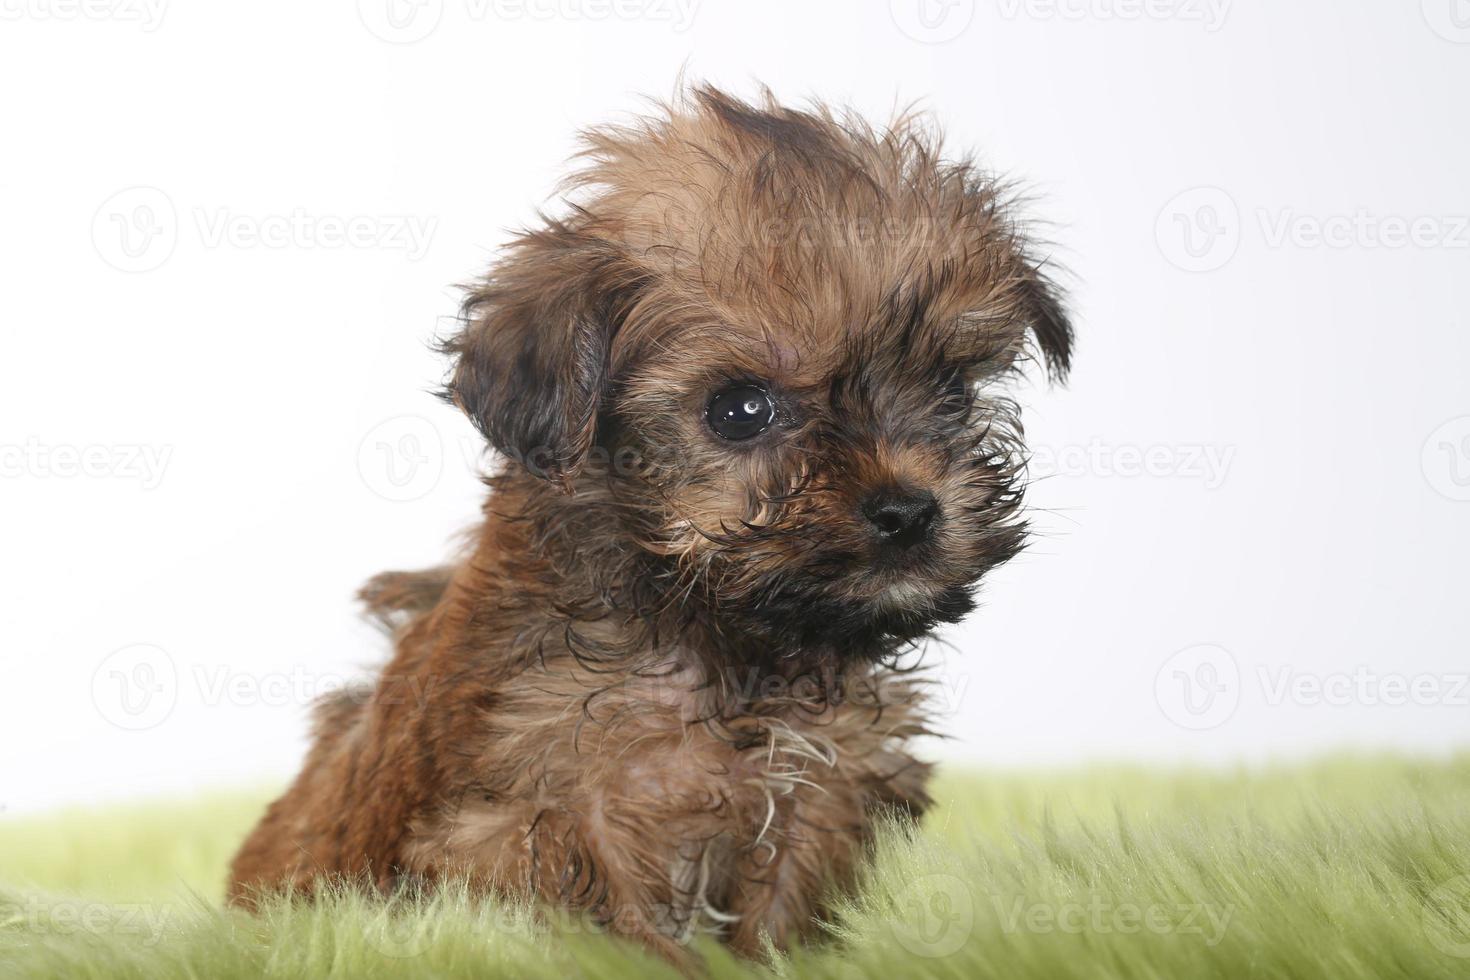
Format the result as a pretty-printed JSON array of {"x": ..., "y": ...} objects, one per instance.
[{"x": 740, "y": 412}]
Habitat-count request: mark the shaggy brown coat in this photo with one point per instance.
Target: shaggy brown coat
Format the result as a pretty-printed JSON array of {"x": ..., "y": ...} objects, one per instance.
[{"x": 663, "y": 686}]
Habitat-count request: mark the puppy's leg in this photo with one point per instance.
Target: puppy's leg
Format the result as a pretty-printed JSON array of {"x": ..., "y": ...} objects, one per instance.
[
  {"x": 590, "y": 855},
  {"x": 343, "y": 817},
  {"x": 814, "y": 840},
  {"x": 819, "y": 836},
  {"x": 291, "y": 845}
]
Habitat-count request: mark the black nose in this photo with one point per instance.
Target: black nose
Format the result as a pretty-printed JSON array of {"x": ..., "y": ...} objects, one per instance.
[{"x": 900, "y": 518}]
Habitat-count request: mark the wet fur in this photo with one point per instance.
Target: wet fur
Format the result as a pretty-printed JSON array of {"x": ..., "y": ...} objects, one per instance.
[{"x": 665, "y": 685}]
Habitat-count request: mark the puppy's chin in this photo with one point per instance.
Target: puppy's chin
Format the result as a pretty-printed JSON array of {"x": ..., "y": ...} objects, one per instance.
[
  {"x": 813, "y": 616},
  {"x": 906, "y": 611}
]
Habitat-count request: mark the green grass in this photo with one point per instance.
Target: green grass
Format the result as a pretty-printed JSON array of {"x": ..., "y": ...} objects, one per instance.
[{"x": 1345, "y": 868}]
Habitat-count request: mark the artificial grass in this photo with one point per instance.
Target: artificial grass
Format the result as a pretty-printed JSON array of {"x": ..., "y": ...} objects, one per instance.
[{"x": 1344, "y": 868}]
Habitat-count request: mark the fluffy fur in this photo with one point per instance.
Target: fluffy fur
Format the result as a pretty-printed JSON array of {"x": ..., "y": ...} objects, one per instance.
[{"x": 665, "y": 684}]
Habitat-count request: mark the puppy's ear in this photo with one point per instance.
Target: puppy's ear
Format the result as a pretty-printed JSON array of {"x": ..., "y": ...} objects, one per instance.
[
  {"x": 1046, "y": 318},
  {"x": 532, "y": 360}
]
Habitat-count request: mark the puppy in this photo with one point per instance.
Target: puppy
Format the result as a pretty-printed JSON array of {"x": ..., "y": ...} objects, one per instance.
[{"x": 747, "y": 396}]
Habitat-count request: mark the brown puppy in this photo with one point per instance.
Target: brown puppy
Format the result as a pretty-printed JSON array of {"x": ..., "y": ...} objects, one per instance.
[{"x": 747, "y": 390}]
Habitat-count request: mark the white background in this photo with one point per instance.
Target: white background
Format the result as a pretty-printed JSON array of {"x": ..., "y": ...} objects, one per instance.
[{"x": 209, "y": 402}]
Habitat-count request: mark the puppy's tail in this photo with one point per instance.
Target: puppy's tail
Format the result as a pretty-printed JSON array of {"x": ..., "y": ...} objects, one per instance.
[{"x": 395, "y": 599}]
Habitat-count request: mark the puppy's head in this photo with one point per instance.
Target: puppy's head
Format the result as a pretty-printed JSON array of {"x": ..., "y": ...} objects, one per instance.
[{"x": 772, "y": 342}]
